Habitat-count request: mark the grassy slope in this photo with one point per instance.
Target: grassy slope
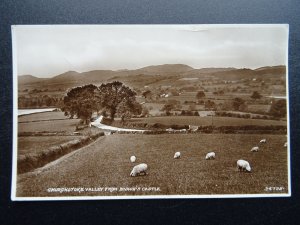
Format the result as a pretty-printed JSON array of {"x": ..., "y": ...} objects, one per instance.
[{"x": 105, "y": 163}]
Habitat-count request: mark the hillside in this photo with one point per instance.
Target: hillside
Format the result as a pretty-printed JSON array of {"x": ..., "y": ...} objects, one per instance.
[
  {"x": 28, "y": 79},
  {"x": 158, "y": 75},
  {"x": 166, "y": 69}
]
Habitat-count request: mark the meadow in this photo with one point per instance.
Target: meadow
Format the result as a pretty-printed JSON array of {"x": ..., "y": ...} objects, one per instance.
[
  {"x": 105, "y": 163},
  {"x": 40, "y": 131},
  {"x": 206, "y": 121},
  {"x": 50, "y": 126},
  {"x": 42, "y": 117},
  {"x": 35, "y": 144}
]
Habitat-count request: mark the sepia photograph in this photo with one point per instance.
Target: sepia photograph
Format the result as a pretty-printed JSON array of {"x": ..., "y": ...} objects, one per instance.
[{"x": 150, "y": 111}]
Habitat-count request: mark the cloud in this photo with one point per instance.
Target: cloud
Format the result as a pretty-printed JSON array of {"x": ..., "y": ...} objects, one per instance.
[{"x": 46, "y": 51}]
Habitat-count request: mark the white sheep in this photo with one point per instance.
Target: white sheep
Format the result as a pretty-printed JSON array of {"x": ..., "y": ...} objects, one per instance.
[
  {"x": 139, "y": 169},
  {"x": 210, "y": 155},
  {"x": 263, "y": 141},
  {"x": 255, "y": 149},
  {"x": 243, "y": 165},
  {"x": 177, "y": 155},
  {"x": 132, "y": 159},
  {"x": 285, "y": 144}
]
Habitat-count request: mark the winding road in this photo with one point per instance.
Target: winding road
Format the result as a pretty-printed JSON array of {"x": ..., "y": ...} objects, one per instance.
[{"x": 97, "y": 123}]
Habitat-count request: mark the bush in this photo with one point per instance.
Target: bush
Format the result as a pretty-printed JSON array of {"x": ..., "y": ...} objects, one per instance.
[
  {"x": 106, "y": 121},
  {"x": 179, "y": 127},
  {"x": 159, "y": 126}
]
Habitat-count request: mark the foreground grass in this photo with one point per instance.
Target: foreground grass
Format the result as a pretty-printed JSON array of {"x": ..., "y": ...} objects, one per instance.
[{"x": 105, "y": 163}]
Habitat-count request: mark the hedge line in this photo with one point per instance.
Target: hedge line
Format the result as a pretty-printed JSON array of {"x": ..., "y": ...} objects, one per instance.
[
  {"x": 247, "y": 129},
  {"x": 31, "y": 161},
  {"x": 42, "y": 133}
]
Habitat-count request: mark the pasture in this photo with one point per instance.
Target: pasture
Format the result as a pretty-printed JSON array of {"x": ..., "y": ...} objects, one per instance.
[
  {"x": 42, "y": 117},
  {"x": 206, "y": 121},
  {"x": 47, "y": 121},
  {"x": 35, "y": 144},
  {"x": 105, "y": 163},
  {"x": 52, "y": 122},
  {"x": 67, "y": 125}
]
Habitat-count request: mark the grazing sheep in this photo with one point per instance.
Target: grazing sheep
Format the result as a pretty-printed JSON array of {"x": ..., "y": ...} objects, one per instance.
[
  {"x": 132, "y": 159},
  {"x": 210, "y": 155},
  {"x": 285, "y": 144},
  {"x": 177, "y": 155},
  {"x": 243, "y": 165},
  {"x": 255, "y": 149},
  {"x": 262, "y": 141},
  {"x": 139, "y": 169}
]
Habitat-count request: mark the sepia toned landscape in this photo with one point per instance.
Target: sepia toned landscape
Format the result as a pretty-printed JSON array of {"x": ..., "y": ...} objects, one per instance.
[{"x": 77, "y": 132}]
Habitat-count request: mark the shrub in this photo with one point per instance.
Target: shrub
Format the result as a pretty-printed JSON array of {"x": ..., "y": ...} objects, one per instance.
[{"x": 179, "y": 127}]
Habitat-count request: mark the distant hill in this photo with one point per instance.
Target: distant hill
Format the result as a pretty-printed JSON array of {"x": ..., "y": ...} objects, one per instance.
[
  {"x": 27, "y": 79},
  {"x": 205, "y": 71},
  {"x": 166, "y": 69},
  {"x": 156, "y": 75},
  {"x": 271, "y": 70}
]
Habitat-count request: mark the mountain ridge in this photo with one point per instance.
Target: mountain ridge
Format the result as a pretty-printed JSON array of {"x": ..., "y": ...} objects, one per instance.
[{"x": 154, "y": 72}]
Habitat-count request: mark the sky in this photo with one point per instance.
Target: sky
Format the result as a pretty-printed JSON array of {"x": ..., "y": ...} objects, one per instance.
[{"x": 49, "y": 50}]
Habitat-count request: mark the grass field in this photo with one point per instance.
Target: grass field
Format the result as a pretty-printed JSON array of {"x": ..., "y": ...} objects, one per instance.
[
  {"x": 42, "y": 116},
  {"x": 206, "y": 121},
  {"x": 49, "y": 126},
  {"x": 105, "y": 163},
  {"x": 37, "y": 144}
]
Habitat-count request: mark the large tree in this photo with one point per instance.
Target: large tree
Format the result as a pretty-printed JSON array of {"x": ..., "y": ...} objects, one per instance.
[
  {"x": 115, "y": 97},
  {"x": 80, "y": 102}
]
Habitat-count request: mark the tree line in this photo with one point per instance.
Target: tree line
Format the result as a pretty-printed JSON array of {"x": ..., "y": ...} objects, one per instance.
[{"x": 39, "y": 102}]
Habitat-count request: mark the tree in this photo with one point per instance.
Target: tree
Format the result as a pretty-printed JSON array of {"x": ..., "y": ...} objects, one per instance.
[
  {"x": 278, "y": 108},
  {"x": 255, "y": 95},
  {"x": 147, "y": 95},
  {"x": 80, "y": 102},
  {"x": 237, "y": 103},
  {"x": 168, "y": 108},
  {"x": 200, "y": 94},
  {"x": 116, "y": 97},
  {"x": 210, "y": 105}
]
